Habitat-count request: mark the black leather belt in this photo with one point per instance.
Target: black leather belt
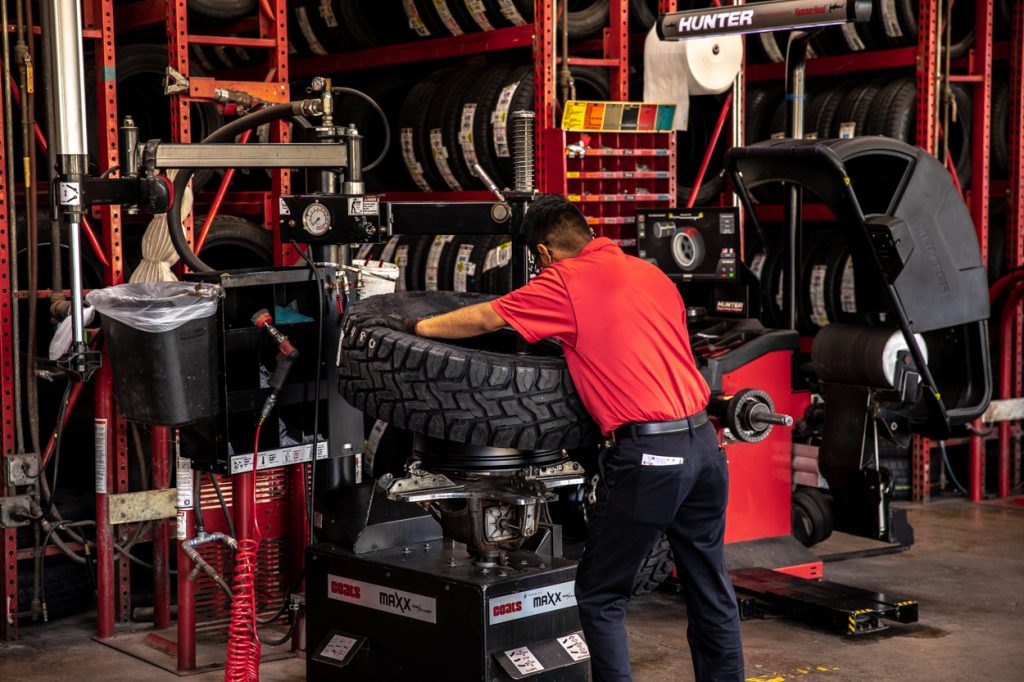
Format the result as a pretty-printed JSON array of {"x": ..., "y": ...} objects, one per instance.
[{"x": 636, "y": 429}]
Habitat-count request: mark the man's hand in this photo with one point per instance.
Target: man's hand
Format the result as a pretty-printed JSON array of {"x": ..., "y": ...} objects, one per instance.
[
  {"x": 387, "y": 321},
  {"x": 462, "y": 323}
]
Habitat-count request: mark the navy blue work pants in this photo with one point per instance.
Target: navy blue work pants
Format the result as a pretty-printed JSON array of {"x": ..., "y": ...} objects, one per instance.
[{"x": 636, "y": 505}]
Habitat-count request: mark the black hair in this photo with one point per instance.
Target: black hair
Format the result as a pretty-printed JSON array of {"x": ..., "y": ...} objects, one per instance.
[{"x": 554, "y": 221}]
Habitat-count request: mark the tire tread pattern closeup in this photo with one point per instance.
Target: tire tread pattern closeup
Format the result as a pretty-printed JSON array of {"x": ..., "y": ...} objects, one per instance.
[{"x": 457, "y": 393}]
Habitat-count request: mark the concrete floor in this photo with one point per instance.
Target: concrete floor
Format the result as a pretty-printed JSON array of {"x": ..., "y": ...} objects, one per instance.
[{"x": 966, "y": 570}]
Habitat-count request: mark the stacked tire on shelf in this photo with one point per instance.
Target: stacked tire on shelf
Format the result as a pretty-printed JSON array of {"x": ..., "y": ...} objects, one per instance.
[
  {"x": 893, "y": 24},
  {"x": 319, "y": 27},
  {"x": 862, "y": 106},
  {"x": 457, "y": 117},
  {"x": 472, "y": 263}
]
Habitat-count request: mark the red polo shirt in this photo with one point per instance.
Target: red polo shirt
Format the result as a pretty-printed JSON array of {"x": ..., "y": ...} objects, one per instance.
[{"x": 622, "y": 325}]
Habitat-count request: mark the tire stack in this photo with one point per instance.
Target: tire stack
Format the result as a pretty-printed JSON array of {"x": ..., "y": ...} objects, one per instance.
[
  {"x": 826, "y": 287},
  {"x": 893, "y": 24},
  {"x": 320, "y": 27},
  {"x": 864, "y": 106},
  {"x": 458, "y": 116},
  {"x": 472, "y": 263}
]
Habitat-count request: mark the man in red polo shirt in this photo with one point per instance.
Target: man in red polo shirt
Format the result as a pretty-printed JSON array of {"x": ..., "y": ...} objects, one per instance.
[{"x": 622, "y": 325}]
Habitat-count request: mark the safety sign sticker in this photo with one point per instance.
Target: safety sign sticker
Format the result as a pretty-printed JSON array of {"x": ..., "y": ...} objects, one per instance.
[
  {"x": 575, "y": 646},
  {"x": 279, "y": 457},
  {"x": 532, "y": 602},
  {"x": 338, "y": 647},
  {"x": 524, "y": 660},
  {"x": 381, "y": 598}
]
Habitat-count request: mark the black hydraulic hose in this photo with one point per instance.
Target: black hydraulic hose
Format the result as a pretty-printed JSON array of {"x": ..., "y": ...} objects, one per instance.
[
  {"x": 383, "y": 118},
  {"x": 225, "y": 133}
]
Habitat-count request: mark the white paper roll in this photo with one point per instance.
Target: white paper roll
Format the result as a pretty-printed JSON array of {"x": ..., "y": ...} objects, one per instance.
[
  {"x": 674, "y": 70},
  {"x": 712, "y": 63}
]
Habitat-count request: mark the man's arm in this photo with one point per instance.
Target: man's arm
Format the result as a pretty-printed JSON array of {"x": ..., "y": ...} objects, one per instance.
[{"x": 463, "y": 323}]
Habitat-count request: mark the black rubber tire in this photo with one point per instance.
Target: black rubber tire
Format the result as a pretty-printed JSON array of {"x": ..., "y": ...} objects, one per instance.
[
  {"x": 311, "y": 31},
  {"x": 140, "y": 94},
  {"x": 461, "y": 266},
  {"x": 486, "y": 92},
  {"x": 1003, "y": 19},
  {"x": 235, "y": 243},
  {"x": 521, "y": 98},
  {"x": 498, "y": 266},
  {"x": 389, "y": 453},
  {"x": 445, "y": 116},
  {"x": 812, "y": 111},
  {"x": 587, "y": 17},
  {"x": 457, "y": 393},
  {"x": 863, "y": 108},
  {"x": 222, "y": 9},
  {"x": 893, "y": 111},
  {"x": 1000, "y": 128},
  {"x": 494, "y": 16},
  {"x": 761, "y": 103},
  {"x": 808, "y": 518},
  {"x": 769, "y": 280},
  {"x": 413, "y": 270},
  {"x": 412, "y": 120},
  {"x": 825, "y": 506},
  {"x": 68, "y": 588},
  {"x": 850, "y": 104},
  {"x": 467, "y": 93},
  {"x": 655, "y": 569},
  {"x": 962, "y": 22},
  {"x": 898, "y": 466},
  {"x": 439, "y": 25},
  {"x": 825, "y": 123},
  {"x": 434, "y": 276}
]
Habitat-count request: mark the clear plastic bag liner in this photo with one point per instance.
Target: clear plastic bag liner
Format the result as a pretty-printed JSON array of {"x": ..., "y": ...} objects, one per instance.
[{"x": 156, "y": 307}]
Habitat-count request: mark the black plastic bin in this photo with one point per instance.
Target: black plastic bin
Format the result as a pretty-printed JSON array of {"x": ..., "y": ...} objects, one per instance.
[{"x": 161, "y": 340}]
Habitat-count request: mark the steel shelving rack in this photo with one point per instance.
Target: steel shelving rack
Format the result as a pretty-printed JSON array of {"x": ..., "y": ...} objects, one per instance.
[{"x": 101, "y": 18}]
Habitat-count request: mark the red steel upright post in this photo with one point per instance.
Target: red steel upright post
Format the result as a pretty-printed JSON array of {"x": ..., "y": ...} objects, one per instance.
[
  {"x": 1015, "y": 204},
  {"x": 548, "y": 140},
  {"x": 617, "y": 48},
  {"x": 8, "y": 536},
  {"x": 111, "y": 450},
  {"x": 103, "y": 415},
  {"x": 277, "y": 30},
  {"x": 161, "y": 478},
  {"x": 181, "y": 131},
  {"x": 927, "y": 89},
  {"x": 981, "y": 65}
]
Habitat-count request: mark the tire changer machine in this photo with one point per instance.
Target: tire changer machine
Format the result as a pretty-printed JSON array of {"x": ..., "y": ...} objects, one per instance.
[{"x": 396, "y": 591}]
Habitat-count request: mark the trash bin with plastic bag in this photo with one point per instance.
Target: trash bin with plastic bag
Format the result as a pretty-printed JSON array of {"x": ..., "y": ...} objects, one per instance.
[{"x": 162, "y": 347}]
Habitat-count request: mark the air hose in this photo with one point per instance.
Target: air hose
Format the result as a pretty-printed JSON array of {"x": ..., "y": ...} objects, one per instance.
[{"x": 225, "y": 133}]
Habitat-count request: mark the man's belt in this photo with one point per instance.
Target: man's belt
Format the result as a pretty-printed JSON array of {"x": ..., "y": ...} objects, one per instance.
[{"x": 637, "y": 429}]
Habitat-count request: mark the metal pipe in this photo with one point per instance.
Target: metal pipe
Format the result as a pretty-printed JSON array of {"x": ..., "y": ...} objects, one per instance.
[
  {"x": 161, "y": 479},
  {"x": 12, "y": 229},
  {"x": 1007, "y": 322},
  {"x": 699, "y": 180},
  {"x": 1001, "y": 285},
  {"x": 186, "y": 588},
  {"x": 104, "y": 413},
  {"x": 24, "y": 55},
  {"x": 796, "y": 62},
  {"x": 63, "y": 35},
  {"x": 56, "y": 274}
]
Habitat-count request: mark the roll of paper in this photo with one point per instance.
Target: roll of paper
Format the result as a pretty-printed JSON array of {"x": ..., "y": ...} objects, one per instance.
[{"x": 673, "y": 71}]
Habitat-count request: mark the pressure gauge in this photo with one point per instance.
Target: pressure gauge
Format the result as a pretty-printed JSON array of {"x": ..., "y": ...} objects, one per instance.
[{"x": 316, "y": 219}]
